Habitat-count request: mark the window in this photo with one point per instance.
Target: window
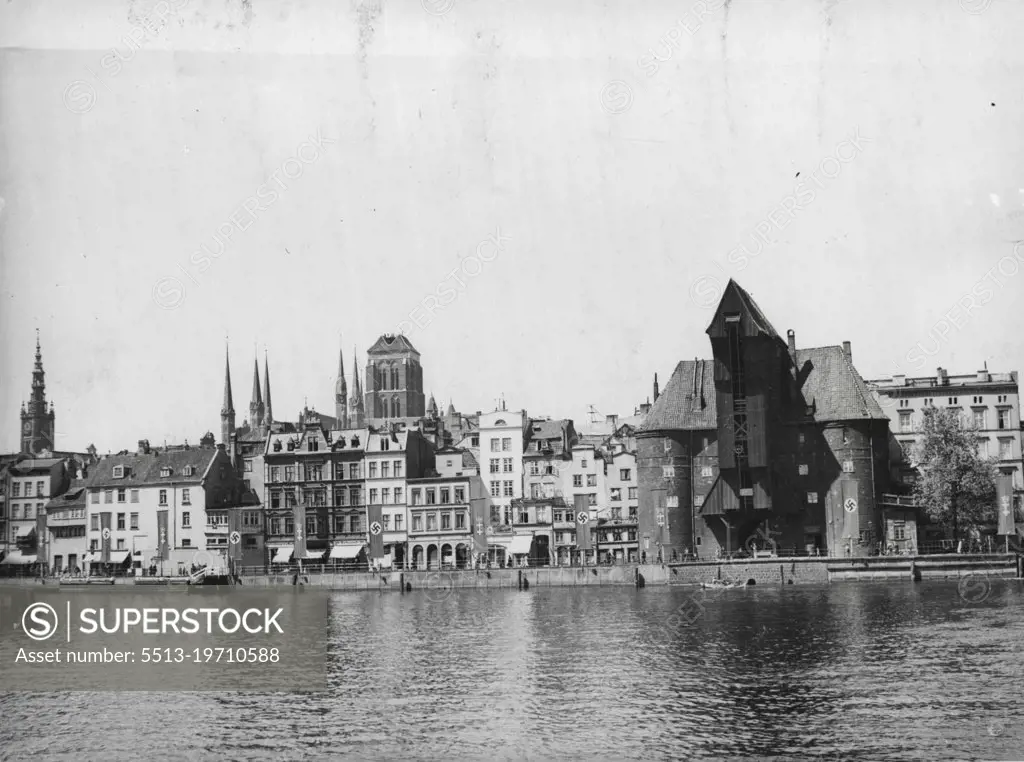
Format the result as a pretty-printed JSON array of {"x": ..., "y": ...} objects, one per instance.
[
  {"x": 460, "y": 494},
  {"x": 248, "y": 466},
  {"x": 591, "y": 480},
  {"x": 313, "y": 444},
  {"x": 906, "y": 421},
  {"x": 983, "y": 448},
  {"x": 315, "y": 472},
  {"x": 186, "y": 519},
  {"x": 373, "y": 470},
  {"x": 386, "y": 521},
  {"x": 460, "y": 520},
  {"x": 632, "y": 512},
  {"x": 495, "y": 465},
  {"x": 95, "y": 523},
  {"x": 632, "y": 493},
  {"x": 624, "y": 474},
  {"x": 94, "y": 545},
  {"x": 577, "y": 480},
  {"x": 417, "y": 523},
  {"x": 353, "y": 470},
  {"x": 803, "y": 470},
  {"x": 275, "y": 473},
  {"x": 616, "y": 493},
  {"x": 953, "y": 400},
  {"x": 385, "y": 470},
  {"x": 495, "y": 444},
  {"x": 39, "y": 489},
  {"x": 186, "y": 543},
  {"x": 592, "y": 499},
  {"x": 431, "y": 522},
  {"x": 668, "y": 472},
  {"x": 120, "y": 522},
  {"x": 163, "y": 497},
  {"x": 165, "y": 472},
  {"x": 666, "y": 445},
  {"x": 812, "y": 497},
  {"x": 398, "y": 494},
  {"x": 385, "y": 495},
  {"x": 134, "y": 496},
  {"x": 446, "y": 495},
  {"x": 339, "y": 524},
  {"x": 120, "y": 543},
  {"x": 354, "y": 496},
  {"x": 848, "y": 466},
  {"x": 899, "y": 530},
  {"x": 446, "y": 521},
  {"x": 373, "y": 496},
  {"x": 398, "y": 469},
  {"x": 1005, "y": 449},
  {"x": 534, "y": 468},
  {"x": 398, "y": 522},
  {"x": 94, "y": 498},
  {"x": 16, "y": 489},
  {"x": 556, "y": 516},
  {"x": 431, "y": 496},
  {"x": 524, "y": 515},
  {"x": 1004, "y": 418},
  {"x": 800, "y": 438},
  {"x": 507, "y": 489},
  {"x": 506, "y": 444},
  {"x": 185, "y": 498},
  {"x": 506, "y": 465},
  {"x": 417, "y": 496},
  {"x": 495, "y": 489},
  {"x": 474, "y": 441},
  {"x": 275, "y": 499},
  {"x": 289, "y": 473},
  {"x": 979, "y": 419},
  {"x": 108, "y": 496},
  {"x": 339, "y": 496},
  {"x": 508, "y": 515}
]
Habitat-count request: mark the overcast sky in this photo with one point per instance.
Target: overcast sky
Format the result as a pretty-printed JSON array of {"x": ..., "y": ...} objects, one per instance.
[{"x": 621, "y": 187}]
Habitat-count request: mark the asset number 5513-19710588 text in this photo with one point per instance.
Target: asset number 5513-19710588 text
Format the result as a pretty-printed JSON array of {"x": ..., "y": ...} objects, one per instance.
[{"x": 216, "y": 655}]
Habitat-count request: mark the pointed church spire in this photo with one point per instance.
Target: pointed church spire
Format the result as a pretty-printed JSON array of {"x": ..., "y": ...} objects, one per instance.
[
  {"x": 37, "y": 429},
  {"x": 257, "y": 394},
  {"x": 268, "y": 415},
  {"x": 227, "y": 412},
  {"x": 341, "y": 394}
]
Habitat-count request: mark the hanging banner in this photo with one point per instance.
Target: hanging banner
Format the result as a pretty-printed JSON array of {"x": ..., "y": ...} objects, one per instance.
[
  {"x": 851, "y": 510},
  {"x": 105, "y": 535},
  {"x": 376, "y": 531},
  {"x": 479, "y": 513},
  {"x": 235, "y": 534},
  {"x": 582, "y": 507},
  {"x": 163, "y": 539},
  {"x": 42, "y": 556},
  {"x": 299, "y": 530},
  {"x": 1004, "y": 504}
]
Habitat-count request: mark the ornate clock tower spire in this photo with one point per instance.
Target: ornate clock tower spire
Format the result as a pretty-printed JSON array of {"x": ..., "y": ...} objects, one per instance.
[{"x": 37, "y": 421}]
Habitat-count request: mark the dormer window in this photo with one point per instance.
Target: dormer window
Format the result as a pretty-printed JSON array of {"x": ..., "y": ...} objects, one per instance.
[
  {"x": 190, "y": 470},
  {"x": 291, "y": 445},
  {"x": 120, "y": 472},
  {"x": 277, "y": 446},
  {"x": 313, "y": 445},
  {"x": 165, "y": 472}
]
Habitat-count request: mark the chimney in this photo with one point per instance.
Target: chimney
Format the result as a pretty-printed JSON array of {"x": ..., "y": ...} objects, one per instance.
[
  {"x": 655, "y": 387},
  {"x": 940, "y": 377},
  {"x": 983, "y": 375},
  {"x": 143, "y": 447},
  {"x": 612, "y": 419},
  {"x": 791, "y": 341},
  {"x": 847, "y": 351},
  {"x": 899, "y": 380}
]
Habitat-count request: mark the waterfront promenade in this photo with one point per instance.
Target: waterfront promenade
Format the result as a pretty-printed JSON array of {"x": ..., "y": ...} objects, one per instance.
[{"x": 764, "y": 572}]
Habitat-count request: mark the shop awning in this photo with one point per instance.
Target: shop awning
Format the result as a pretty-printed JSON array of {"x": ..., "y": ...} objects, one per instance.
[
  {"x": 118, "y": 556},
  {"x": 16, "y": 558},
  {"x": 345, "y": 551},
  {"x": 520, "y": 544},
  {"x": 314, "y": 555},
  {"x": 283, "y": 555},
  {"x": 88, "y": 557}
]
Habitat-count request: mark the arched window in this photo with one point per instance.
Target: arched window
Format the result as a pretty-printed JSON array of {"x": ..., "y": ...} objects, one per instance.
[
  {"x": 398, "y": 408},
  {"x": 394, "y": 378},
  {"x": 382, "y": 378}
]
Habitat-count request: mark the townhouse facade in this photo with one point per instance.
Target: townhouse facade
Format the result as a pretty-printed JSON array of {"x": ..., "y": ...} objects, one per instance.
[
  {"x": 167, "y": 508},
  {"x": 30, "y": 483}
]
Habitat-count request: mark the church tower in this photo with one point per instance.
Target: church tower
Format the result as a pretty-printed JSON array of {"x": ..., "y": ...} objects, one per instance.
[
  {"x": 341, "y": 394},
  {"x": 37, "y": 422},
  {"x": 227, "y": 412},
  {"x": 268, "y": 414},
  {"x": 358, "y": 416},
  {"x": 256, "y": 409},
  {"x": 394, "y": 380}
]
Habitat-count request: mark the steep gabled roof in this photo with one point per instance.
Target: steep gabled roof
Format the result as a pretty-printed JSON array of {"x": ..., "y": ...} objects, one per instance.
[
  {"x": 834, "y": 387},
  {"x": 144, "y": 470},
  {"x": 734, "y": 293},
  {"x": 388, "y": 343},
  {"x": 688, "y": 402}
]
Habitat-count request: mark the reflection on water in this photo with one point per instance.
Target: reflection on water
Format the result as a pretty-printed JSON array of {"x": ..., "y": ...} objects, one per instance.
[{"x": 855, "y": 671}]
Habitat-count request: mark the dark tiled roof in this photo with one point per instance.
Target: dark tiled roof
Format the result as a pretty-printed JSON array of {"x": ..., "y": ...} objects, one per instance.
[
  {"x": 678, "y": 408},
  {"x": 74, "y": 496},
  {"x": 834, "y": 387},
  {"x": 145, "y": 469},
  {"x": 756, "y": 313},
  {"x": 33, "y": 464},
  {"x": 396, "y": 344}
]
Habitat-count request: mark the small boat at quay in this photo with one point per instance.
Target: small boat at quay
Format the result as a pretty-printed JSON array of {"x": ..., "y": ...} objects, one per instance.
[{"x": 718, "y": 584}]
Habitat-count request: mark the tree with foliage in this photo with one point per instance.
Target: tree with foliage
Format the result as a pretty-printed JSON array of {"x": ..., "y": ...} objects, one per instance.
[{"x": 957, "y": 486}]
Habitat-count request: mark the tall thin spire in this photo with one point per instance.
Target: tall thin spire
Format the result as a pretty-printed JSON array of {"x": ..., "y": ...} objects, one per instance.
[
  {"x": 257, "y": 395},
  {"x": 268, "y": 415},
  {"x": 229, "y": 404},
  {"x": 37, "y": 420},
  {"x": 341, "y": 394}
]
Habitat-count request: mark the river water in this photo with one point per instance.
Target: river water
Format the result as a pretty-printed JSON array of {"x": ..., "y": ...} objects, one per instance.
[{"x": 858, "y": 670}]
